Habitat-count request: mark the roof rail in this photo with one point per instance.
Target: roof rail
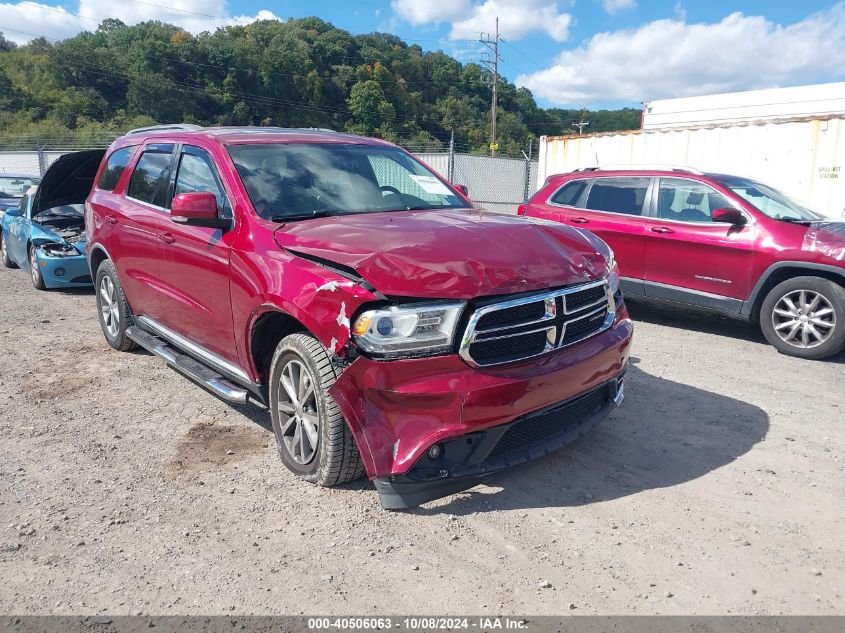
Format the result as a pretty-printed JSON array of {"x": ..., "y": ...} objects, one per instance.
[
  {"x": 167, "y": 127},
  {"x": 650, "y": 167}
]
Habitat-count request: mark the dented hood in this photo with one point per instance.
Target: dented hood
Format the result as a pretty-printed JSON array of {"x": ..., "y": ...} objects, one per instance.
[{"x": 454, "y": 254}]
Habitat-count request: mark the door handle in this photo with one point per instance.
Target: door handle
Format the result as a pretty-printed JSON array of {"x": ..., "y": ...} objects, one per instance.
[
  {"x": 111, "y": 219},
  {"x": 661, "y": 229},
  {"x": 579, "y": 220},
  {"x": 167, "y": 237}
]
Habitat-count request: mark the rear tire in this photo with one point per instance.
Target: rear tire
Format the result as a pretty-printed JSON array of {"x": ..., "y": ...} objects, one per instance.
[
  {"x": 4, "y": 254},
  {"x": 34, "y": 271},
  {"x": 805, "y": 317},
  {"x": 112, "y": 308},
  {"x": 313, "y": 439}
]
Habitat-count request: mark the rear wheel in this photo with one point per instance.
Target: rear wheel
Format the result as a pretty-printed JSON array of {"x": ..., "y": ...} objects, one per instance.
[
  {"x": 113, "y": 309},
  {"x": 4, "y": 254},
  {"x": 35, "y": 271},
  {"x": 805, "y": 317},
  {"x": 312, "y": 438}
]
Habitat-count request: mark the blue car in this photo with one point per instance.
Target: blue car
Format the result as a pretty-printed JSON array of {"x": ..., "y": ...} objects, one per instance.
[{"x": 45, "y": 234}]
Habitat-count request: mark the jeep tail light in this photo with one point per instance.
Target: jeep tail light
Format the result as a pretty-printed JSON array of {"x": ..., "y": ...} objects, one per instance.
[{"x": 520, "y": 210}]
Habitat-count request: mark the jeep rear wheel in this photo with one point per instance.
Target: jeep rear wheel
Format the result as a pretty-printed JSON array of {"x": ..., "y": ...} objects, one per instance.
[
  {"x": 312, "y": 438},
  {"x": 805, "y": 317}
]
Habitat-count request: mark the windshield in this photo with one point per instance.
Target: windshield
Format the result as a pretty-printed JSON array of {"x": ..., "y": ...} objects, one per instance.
[
  {"x": 286, "y": 180},
  {"x": 769, "y": 201},
  {"x": 15, "y": 186}
]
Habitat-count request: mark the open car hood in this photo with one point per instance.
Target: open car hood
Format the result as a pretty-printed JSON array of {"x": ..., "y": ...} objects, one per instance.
[
  {"x": 452, "y": 254},
  {"x": 68, "y": 180}
]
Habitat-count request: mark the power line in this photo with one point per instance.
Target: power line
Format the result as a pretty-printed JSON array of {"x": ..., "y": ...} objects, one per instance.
[{"x": 492, "y": 63}]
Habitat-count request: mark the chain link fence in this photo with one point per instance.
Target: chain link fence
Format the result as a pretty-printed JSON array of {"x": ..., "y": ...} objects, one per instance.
[{"x": 497, "y": 184}]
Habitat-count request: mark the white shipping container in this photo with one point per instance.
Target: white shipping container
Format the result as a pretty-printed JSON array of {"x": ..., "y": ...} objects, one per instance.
[
  {"x": 804, "y": 158},
  {"x": 818, "y": 100}
]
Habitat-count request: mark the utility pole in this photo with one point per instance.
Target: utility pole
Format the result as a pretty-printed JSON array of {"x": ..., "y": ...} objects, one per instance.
[
  {"x": 580, "y": 125},
  {"x": 492, "y": 62}
]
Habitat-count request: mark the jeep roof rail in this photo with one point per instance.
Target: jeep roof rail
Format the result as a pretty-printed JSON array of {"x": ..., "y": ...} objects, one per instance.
[
  {"x": 172, "y": 127},
  {"x": 649, "y": 167}
]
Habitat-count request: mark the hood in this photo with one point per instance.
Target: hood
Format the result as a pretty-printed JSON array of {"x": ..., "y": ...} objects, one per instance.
[
  {"x": 68, "y": 180},
  {"x": 454, "y": 254}
]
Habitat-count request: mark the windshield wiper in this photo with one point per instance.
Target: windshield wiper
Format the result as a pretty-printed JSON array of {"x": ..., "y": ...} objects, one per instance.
[
  {"x": 317, "y": 213},
  {"x": 794, "y": 220}
]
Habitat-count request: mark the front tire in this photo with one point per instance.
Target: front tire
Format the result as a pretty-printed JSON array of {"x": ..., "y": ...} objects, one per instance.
[
  {"x": 4, "y": 253},
  {"x": 805, "y": 317},
  {"x": 112, "y": 307},
  {"x": 35, "y": 271},
  {"x": 313, "y": 439}
]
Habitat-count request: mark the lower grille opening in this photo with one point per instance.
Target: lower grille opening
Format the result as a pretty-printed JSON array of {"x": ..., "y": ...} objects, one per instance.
[
  {"x": 502, "y": 350},
  {"x": 541, "y": 426}
]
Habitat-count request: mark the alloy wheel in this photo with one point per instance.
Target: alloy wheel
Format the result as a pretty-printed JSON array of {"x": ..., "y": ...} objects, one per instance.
[
  {"x": 298, "y": 413},
  {"x": 108, "y": 306},
  {"x": 34, "y": 271},
  {"x": 804, "y": 318}
]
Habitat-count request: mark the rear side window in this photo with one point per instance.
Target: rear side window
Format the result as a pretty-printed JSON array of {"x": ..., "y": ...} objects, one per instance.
[
  {"x": 570, "y": 192},
  {"x": 618, "y": 195},
  {"x": 114, "y": 168},
  {"x": 150, "y": 179}
]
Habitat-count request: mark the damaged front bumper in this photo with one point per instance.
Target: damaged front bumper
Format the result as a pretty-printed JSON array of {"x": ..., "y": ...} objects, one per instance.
[
  {"x": 482, "y": 420},
  {"x": 463, "y": 462},
  {"x": 63, "y": 267}
]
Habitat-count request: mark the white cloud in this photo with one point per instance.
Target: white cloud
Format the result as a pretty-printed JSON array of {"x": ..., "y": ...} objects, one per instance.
[
  {"x": 670, "y": 58},
  {"x": 517, "y": 18},
  {"x": 58, "y": 22},
  {"x": 615, "y": 6}
]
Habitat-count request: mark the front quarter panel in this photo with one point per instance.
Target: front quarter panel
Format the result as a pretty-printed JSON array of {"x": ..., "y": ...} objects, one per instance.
[{"x": 271, "y": 280}]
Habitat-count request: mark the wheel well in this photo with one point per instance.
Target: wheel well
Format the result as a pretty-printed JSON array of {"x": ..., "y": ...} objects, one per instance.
[
  {"x": 98, "y": 256},
  {"x": 270, "y": 328},
  {"x": 788, "y": 272}
]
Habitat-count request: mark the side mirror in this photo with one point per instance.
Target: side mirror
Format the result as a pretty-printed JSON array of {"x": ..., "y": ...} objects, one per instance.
[
  {"x": 198, "y": 208},
  {"x": 14, "y": 212},
  {"x": 728, "y": 215},
  {"x": 463, "y": 189}
]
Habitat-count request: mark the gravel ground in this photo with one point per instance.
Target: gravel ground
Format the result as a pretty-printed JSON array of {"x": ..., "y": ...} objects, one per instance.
[{"x": 717, "y": 488}]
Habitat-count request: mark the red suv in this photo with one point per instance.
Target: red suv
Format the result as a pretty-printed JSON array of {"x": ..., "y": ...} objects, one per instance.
[
  {"x": 389, "y": 325},
  {"x": 714, "y": 241}
]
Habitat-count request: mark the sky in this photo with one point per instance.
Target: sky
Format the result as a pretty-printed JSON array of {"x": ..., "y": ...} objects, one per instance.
[{"x": 569, "y": 53}]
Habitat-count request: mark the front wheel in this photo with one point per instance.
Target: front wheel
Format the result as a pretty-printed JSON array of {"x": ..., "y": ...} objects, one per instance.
[
  {"x": 805, "y": 317},
  {"x": 4, "y": 253},
  {"x": 113, "y": 309},
  {"x": 35, "y": 271},
  {"x": 312, "y": 438}
]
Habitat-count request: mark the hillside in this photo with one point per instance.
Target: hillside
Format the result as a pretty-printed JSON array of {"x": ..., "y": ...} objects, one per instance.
[{"x": 299, "y": 73}]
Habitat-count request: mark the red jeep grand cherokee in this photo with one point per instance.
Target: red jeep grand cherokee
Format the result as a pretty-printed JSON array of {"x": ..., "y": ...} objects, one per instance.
[
  {"x": 714, "y": 241},
  {"x": 389, "y": 326}
]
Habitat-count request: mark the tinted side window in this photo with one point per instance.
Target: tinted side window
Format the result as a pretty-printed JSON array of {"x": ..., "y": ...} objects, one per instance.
[
  {"x": 618, "y": 195},
  {"x": 568, "y": 194},
  {"x": 687, "y": 200},
  {"x": 196, "y": 173},
  {"x": 149, "y": 180},
  {"x": 114, "y": 168}
]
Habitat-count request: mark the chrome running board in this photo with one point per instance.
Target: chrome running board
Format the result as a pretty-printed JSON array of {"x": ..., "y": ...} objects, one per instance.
[{"x": 187, "y": 366}]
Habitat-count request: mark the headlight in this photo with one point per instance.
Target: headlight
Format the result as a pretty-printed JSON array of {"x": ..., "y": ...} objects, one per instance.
[
  {"x": 409, "y": 330},
  {"x": 613, "y": 275},
  {"x": 55, "y": 249}
]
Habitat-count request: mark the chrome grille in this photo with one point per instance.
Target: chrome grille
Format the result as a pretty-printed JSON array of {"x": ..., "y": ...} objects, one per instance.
[{"x": 520, "y": 328}]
